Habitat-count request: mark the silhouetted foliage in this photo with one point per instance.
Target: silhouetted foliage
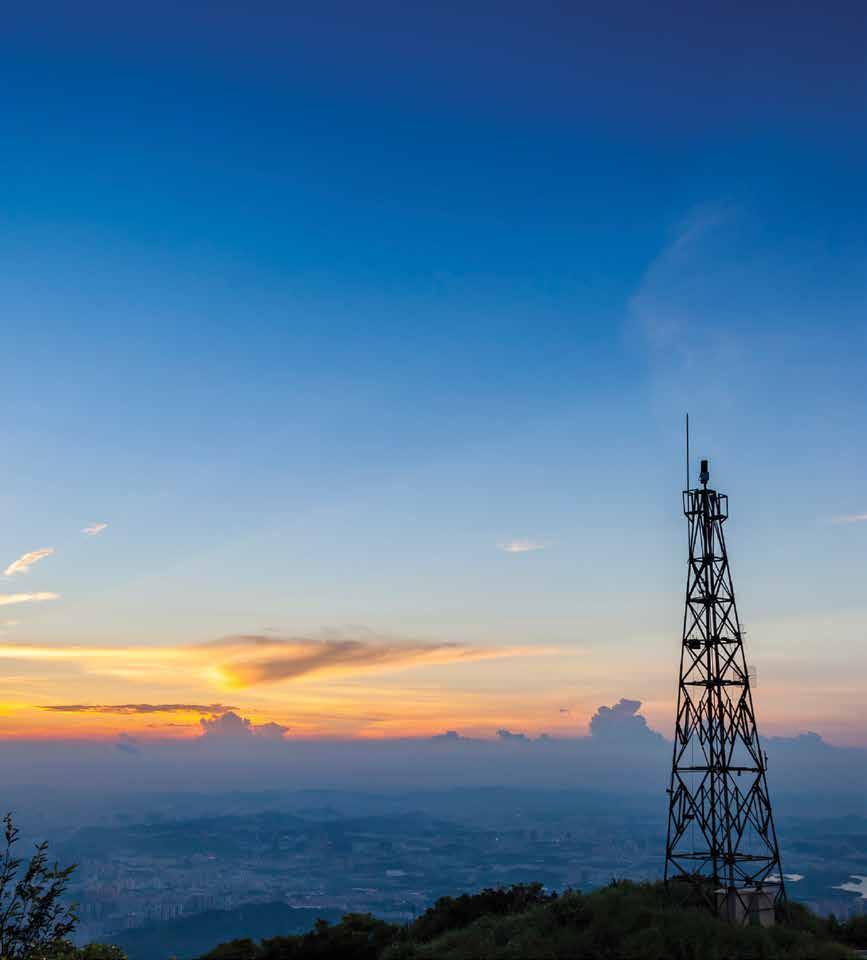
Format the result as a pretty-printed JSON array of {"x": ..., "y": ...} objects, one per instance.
[
  {"x": 358, "y": 936},
  {"x": 93, "y": 951},
  {"x": 853, "y": 932},
  {"x": 33, "y": 919},
  {"x": 34, "y": 922},
  {"x": 453, "y": 913},
  {"x": 237, "y": 950}
]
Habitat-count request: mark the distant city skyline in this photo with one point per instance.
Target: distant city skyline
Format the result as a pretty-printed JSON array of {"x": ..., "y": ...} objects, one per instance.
[{"x": 347, "y": 356}]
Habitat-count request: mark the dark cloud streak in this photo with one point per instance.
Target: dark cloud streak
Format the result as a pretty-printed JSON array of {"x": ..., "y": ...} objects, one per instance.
[
  {"x": 288, "y": 658},
  {"x": 133, "y": 708}
]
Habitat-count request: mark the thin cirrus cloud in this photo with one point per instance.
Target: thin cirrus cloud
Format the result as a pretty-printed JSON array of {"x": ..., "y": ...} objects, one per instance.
[
  {"x": 138, "y": 708},
  {"x": 521, "y": 546},
  {"x": 26, "y": 561},
  {"x": 93, "y": 529},
  {"x": 852, "y": 518},
  {"x": 6, "y": 599}
]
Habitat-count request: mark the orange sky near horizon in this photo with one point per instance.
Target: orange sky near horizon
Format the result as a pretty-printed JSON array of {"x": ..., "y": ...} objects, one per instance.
[
  {"x": 368, "y": 687},
  {"x": 474, "y": 676}
]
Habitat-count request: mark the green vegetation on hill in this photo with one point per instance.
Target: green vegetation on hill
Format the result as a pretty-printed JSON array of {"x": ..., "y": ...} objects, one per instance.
[{"x": 623, "y": 920}]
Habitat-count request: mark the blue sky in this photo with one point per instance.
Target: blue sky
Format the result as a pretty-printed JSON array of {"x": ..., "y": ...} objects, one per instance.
[{"x": 317, "y": 310}]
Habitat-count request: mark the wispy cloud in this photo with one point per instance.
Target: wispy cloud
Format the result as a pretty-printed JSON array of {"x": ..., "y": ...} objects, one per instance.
[
  {"x": 521, "y": 546},
  {"x": 94, "y": 528},
  {"x": 255, "y": 659},
  {"x": 238, "y": 662},
  {"x": 26, "y": 561},
  {"x": 851, "y": 518},
  {"x": 9, "y": 598},
  {"x": 684, "y": 311},
  {"x": 664, "y": 303},
  {"x": 139, "y": 708}
]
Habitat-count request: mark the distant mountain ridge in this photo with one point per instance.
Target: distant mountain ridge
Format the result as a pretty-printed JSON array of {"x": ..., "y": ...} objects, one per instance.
[{"x": 188, "y": 937}]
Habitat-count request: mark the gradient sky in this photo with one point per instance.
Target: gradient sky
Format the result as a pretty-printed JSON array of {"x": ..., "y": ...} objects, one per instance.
[{"x": 322, "y": 307}]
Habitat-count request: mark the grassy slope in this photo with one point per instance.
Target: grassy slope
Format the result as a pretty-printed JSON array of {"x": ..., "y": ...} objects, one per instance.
[{"x": 622, "y": 921}]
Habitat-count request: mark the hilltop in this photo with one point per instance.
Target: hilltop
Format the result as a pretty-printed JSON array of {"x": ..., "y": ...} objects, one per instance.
[{"x": 622, "y": 920}]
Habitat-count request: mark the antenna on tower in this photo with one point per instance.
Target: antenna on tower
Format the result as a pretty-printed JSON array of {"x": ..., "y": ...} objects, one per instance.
[{"x": 687, "y": 451}]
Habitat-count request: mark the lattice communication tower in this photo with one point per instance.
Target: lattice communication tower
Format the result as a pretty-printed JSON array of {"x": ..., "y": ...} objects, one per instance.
[{"x": 721, "y": 834}]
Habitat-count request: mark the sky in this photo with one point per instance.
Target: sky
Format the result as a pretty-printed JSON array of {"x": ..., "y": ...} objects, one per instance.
[{"x": 347, "y": 352}]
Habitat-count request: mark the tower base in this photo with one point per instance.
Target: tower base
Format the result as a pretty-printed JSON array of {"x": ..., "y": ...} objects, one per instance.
[{"x": 748, "y": 906}]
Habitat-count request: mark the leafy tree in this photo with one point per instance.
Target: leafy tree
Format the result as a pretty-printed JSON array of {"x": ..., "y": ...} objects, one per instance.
[
  {"x": 452, "y": 913},
  {"x": 33, "y": 919},
  {"x": 235, "y": 950},
  {"x": 358, "y": 936}
]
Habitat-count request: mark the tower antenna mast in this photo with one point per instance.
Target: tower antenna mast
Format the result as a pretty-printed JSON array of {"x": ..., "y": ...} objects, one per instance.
[
  {"x": 721, "y": 834},
  {"x": 687, "y": 451}
]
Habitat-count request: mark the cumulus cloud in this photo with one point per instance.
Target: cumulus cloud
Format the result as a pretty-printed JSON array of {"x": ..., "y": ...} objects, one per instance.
[
  {"x": 231, "y": 726},
  {"x": 136, "y": 708},
  {"x": 521, "y": 546},
  {"x": 851, "y": 518},
  {"x": 7, "y": 599},
  {"x": 621, "y": 722},
  {"x": 94, "y": 528},
  {"x": 270, "y": 731},
  {"x": 227, "y": 726},
  {"x": 244, "y": 661},
  {"x": 26, "y": 561}
]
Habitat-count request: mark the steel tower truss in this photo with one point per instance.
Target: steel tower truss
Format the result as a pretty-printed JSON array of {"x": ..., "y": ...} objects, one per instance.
[{"x": 721, "y": 833}]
